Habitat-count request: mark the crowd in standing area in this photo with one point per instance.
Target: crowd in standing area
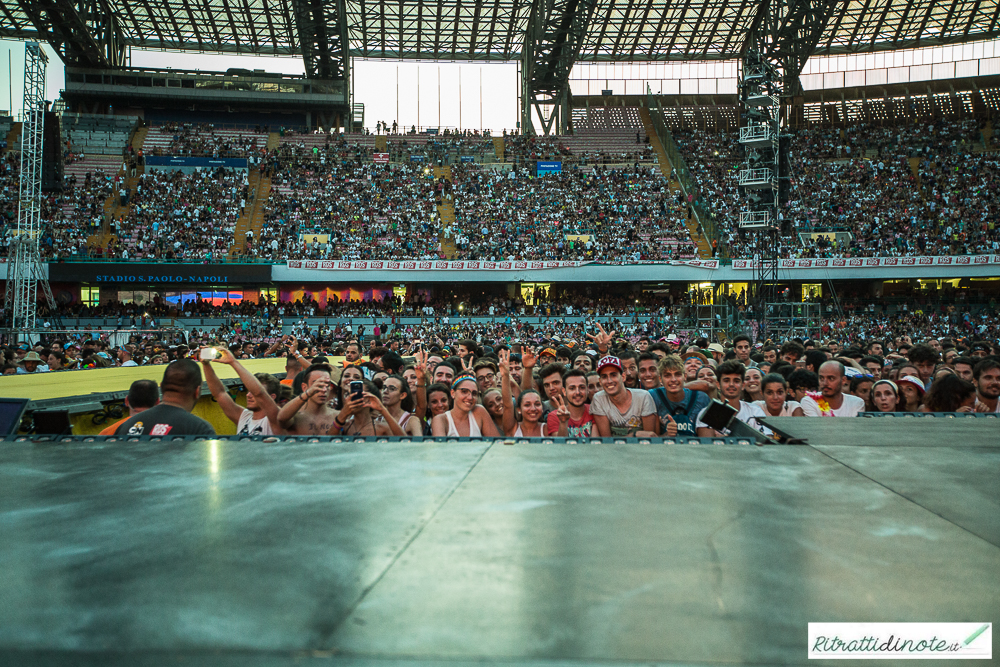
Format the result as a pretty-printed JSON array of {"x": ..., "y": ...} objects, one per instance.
[{"x": 566, "y": 381}]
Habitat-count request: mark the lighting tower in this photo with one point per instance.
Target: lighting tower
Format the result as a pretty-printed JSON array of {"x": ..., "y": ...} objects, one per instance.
[
  {"x": 763, "y": 175},
  {"x": 25, "y": 272}
]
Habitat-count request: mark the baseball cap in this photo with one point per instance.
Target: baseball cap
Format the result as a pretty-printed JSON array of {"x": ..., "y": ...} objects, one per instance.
[
  {"x": 912, "y": 379},
  {"x": 609, "y": 361}
]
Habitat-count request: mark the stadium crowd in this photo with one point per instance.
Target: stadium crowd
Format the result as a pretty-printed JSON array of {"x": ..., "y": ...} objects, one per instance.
[
  {"x": 898, "y": 191},
  {"x": 864, "y": 190}
]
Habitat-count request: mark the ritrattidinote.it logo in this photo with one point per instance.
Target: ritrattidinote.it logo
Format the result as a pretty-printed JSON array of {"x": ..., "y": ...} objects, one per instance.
[{"x": 901, "y": 641}]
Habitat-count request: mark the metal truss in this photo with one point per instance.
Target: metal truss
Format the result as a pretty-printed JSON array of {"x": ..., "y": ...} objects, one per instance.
[
  {"x": 551, "y": 45},
  {"x": 622, "y": 30},
  {"x": 25, "y": 272},
  {"x": 84, "y": 34},
  {"x": 322, "y": 28},
  {"x": 786, "y": 33}
]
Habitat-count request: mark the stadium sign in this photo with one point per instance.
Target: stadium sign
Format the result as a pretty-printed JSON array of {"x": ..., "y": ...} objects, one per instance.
[
  {"x": 547, "y": 168},
  {"x": 167, "y": 161},
  {"x": 380, "y": 158},
  {"x": 110, "y": 273}
]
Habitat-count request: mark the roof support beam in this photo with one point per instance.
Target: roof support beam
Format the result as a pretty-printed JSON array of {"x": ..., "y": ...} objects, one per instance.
[
  {"x": 323, "y": 37},
  {"x": 84, "y": 34},
  {"x": 789, "y": 36},
  {"x": 552, "y": 42}
]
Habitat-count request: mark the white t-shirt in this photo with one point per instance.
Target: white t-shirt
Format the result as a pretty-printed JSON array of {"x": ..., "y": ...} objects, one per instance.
[
  {"x": 629, "y": 422},
  {"x": 247, "y": 425},
  {"x": 851, "y": 407},
  {"x": 748, "y": 414},
  {"x": 787, "y": 409}
]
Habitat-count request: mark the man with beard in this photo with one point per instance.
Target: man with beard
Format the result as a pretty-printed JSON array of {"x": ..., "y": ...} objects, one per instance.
[
  {"x": 578, "y": 422},
  {"x": 833, "y": 401},
  {"x": 987, "y": 381}
]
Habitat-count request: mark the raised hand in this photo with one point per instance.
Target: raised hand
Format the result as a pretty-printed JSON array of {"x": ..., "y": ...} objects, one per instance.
[
  {"x": 504, "y": 357},
  {"x": 225, "y": 357},
  {"x": 562, "y": 410},
  {"x": 372, "y": 402},
  {"x": 527, "y": 357},
  {"x": 467, "y": 365},
  {"x": 421, "y": 367},
  {"x": 603, "y": 338}
]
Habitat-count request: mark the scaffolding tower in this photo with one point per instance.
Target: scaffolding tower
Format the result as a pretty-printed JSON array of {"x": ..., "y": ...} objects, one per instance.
[
  {"x": 25, "y": 273},
  {"x": 760, "y": 176}
]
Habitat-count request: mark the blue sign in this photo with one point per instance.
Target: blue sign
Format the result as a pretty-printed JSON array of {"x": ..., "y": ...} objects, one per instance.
[
  {"x": 417, "y": 158},
  {"x": 547, "y": 168},
  {"x": 203, "y": 162},
  {"x": 467, "y": 158},
  {"x": 431, "y": 130}
]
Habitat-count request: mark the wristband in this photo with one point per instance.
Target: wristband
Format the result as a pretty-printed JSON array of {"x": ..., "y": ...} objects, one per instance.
[
  {"x": 304, "y": 396},
  {"x": 336, "y": 420}
]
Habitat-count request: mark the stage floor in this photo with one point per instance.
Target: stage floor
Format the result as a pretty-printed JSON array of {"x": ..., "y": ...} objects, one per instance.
[{"x": 247, "y": 553}]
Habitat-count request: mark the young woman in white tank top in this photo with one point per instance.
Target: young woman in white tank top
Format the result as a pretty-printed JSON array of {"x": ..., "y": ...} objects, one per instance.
[
  {"x": 529, "y": 402},
  {"x": 467, "y": 415}
]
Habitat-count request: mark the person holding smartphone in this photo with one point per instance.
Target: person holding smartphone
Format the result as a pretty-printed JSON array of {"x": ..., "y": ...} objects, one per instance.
[{"x": 260, "y": 416}]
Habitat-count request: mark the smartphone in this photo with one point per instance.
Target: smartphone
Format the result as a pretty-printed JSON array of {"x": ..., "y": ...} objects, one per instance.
[
  {"x": 209, "y": 354},
  {"x": 357, "y": 389}
]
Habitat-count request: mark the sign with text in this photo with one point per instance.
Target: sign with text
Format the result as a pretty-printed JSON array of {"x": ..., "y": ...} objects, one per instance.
[
  {"x": 380, "y": 158},
  {"x": 111, "y": 273},
  {"x": 547, "y": 168}
]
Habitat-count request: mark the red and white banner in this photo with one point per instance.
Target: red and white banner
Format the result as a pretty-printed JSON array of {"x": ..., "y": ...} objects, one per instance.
[
  {"x": 425, "y": 265},
  {"x": 874, "y": 262},
  {"x": 380, "y": 158},
  {"x": 466, "y": 265}
]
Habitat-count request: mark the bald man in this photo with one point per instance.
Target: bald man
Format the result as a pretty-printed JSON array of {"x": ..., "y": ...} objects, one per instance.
[{"x": 832, "y": 401}]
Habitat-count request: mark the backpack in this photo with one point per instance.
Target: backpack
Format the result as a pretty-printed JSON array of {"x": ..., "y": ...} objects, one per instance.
[{"x": 686, "y": 423}]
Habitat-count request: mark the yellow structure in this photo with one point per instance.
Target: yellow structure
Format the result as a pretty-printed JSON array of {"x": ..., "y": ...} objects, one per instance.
[{"x": 70, "y": 384}]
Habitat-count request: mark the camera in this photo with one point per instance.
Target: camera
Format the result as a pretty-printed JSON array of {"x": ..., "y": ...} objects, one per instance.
[{"x": 209, "y": 354}]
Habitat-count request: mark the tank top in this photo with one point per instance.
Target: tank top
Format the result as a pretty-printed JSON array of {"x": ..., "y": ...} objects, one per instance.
[{"x": 474, "y": 431}]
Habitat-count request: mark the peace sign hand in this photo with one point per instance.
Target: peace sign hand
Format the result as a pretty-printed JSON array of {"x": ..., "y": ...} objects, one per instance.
[
  {"x": 562, "y": 411},
  {"x": 421, "y": 368},
  {"x": 504, "y": 357},
  {"x": 467, "y": 364}
]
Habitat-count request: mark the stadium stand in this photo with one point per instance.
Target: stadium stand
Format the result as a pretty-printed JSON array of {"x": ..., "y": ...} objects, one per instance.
[{"x": 92, "y": 133}]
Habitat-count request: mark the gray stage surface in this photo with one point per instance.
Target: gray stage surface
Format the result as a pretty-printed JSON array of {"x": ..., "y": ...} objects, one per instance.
[{"x": 246, "y": 553}]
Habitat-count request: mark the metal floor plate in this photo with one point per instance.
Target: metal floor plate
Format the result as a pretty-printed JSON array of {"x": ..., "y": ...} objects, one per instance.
[{"x": 258, "y": 554}]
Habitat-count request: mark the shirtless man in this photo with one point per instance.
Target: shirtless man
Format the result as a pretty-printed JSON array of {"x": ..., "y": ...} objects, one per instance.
[{"x": 309, "y": 413}]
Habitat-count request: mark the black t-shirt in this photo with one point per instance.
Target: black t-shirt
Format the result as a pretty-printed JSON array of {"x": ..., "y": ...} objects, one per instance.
[{"x": 165, "y": 419}]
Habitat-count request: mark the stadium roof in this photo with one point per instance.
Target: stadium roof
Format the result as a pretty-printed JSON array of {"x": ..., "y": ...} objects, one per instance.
[{"x": 621, "y": 30}]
